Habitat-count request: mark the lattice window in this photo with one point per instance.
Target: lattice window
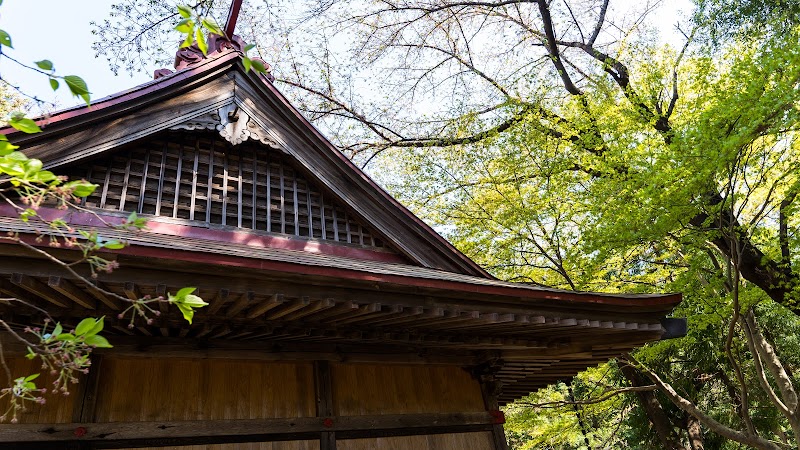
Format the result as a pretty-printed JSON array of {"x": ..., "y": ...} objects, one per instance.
[{"x": 200, "y": 177}]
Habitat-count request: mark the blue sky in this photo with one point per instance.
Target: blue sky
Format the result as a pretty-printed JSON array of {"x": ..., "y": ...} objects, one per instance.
[{"x": 59, "y": 30}]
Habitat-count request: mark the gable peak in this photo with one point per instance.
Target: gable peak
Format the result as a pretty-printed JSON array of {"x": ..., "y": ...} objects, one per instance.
[{"x": 191, "y": 56}]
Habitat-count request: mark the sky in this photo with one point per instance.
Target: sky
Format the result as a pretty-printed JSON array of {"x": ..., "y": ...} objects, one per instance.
[{"x": 59, "y": 30}]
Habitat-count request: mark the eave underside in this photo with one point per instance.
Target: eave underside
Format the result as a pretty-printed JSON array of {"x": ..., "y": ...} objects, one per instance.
[{"x": 284, "y": 311}]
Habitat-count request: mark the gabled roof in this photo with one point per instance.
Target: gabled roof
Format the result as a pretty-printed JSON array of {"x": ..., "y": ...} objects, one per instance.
[{"x": 214, "y": 87}]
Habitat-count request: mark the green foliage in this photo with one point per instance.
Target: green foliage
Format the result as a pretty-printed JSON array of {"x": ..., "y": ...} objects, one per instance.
[
  {"x": 543, "y": 210},
  {"x": 187, "y": 302}
]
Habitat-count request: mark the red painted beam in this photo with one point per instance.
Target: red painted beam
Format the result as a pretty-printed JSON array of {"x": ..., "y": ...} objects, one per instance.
[{"x": 233, "y": 15}]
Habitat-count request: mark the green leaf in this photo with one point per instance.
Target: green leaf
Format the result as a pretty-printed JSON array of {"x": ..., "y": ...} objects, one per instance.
[
  {"x": 65, "y": 337},
  {"x": 57, "y": 330},
  {"x": 5, "y": 39},
  {"x": 249, "y": 47},
  {"x": 80, "y": 188},
  {"x": 194, "y": 301},
  {"x": 84, "y": 326},
  {"x": 259, "y": 66},
  {"x": 44, "y": 176},
  {"x": 188, "y": 312},
  {"x": 201, "y": 41},
  {"x": 24, "y": 124},
  {"x": 188, "y": 41},
  {"x": 6, "y": 147},
  {"x": 45, "y": 64},
  {"x": 185, "y": 26},
  {"x": 54, "y": 84},
  {"x": 78, "y": 87},
  {"x": 247, "y": 62},
  {"x": 32, "y": 377},
  {"x": 98, "y": 327},
  {"x": 27, "y": 214},
  {"x": 185, "y": 291},
  {"x": 98, "y": 341},
  {"x": 31, "y": 354},
  {"x": 114, "y": 245},
  {"x": 212, "y": 26},
  {"x": 185, "y": 11}
]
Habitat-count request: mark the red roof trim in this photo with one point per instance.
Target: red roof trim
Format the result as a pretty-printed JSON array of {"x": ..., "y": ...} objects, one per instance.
[
  {"x": 666, "y": 300},
  {"x": 228, "y": 236}
]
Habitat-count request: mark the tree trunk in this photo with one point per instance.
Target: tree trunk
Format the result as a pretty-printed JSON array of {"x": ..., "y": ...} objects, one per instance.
[
  {"x": 655, "y": 413},
  {"x": 775, "y": 279},
  {"x": 695, "y": 432}
]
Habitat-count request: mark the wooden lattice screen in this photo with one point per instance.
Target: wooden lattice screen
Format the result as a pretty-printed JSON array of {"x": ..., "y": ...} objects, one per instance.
[{"x": 200, "y": 177}]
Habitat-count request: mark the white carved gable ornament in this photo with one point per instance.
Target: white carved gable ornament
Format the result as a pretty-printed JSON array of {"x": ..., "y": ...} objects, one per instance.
[{"x": 233, "y": 124}]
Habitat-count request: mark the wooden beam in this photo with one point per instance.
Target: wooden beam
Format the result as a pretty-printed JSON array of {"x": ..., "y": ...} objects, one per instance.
[
  {"x": 107, "y": 300},
  {"x": 324, "y": 393},
  {"x": 274, "y": 301},
  {"x": 239, "y": 305},
  {"x": 217, "y": 302},
  {"x": 159, "y": 433},
  {"x": 132, "y": 291},
  {"x": 40, "y": 289},
  {"x": 71, "y": 291}
]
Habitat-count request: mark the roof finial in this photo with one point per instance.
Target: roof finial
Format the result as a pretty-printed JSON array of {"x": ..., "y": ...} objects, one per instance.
[
  {"x": 217, "y": 44},
  {"x": 233, "y": 15}
]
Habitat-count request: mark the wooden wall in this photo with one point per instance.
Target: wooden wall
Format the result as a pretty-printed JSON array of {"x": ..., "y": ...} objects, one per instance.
[
  {"x": 457, "y": 441},
  {"x": 182, "y": 389},
  {"x": 365, "y": 389},
  {"x": 145, "y": 399},
  {"x": 287, "y": 445},
  {"x": 58, "y": 408}
]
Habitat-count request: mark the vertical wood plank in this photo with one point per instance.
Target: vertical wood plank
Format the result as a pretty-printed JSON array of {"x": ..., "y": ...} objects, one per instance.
[
  {"x": 322, "y": 214},
  {"x": 283, "y": 197},
  {"x": 239, "y": 199},
  {"x": 347, "y": 227},
  {"x": 163, "y": 167},
  {"x": 125, "y": 183},
  {"x": 324, "y": 394},
  {"x": 225, "y": 188},
  {"x": 296, "y": 205},
  {"x": 335, "y": 224},
  {"x": 105, "y": 186},
  {"x": 194, "y": 178},
  {"x": 86, "y": 402},
  {"x": 177, "y": 182},
  {"x": 269, "y": 193},
  {"x": 310, "y": 211},
  {"x": 255, "y": 189},
  {"x": 143, "y": 187},
  {"x": 210, "y": 179}
]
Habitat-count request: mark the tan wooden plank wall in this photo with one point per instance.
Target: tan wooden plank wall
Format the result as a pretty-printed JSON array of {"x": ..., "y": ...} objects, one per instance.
[
  {"x": 289, "y": 445},
  {"x": 365, "y": 389},
  {"x": 58, "y": 408},
  {"x": 182, "y": 389},
  {"x": 460, "y": 441}
]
